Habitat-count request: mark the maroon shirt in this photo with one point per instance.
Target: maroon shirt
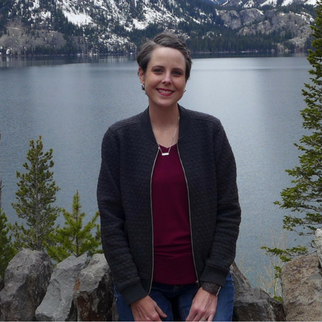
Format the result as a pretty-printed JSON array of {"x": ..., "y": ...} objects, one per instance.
[{"x": 173, "y": 262}]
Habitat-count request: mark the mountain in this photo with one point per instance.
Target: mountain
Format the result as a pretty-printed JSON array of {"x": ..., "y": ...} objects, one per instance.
[{"x": 118, "y": 26}]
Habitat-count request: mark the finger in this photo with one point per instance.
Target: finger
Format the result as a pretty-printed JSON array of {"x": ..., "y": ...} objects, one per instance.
[
  {"x": 190, "y": 316},
  {"x": 152, "y": 317},
  {"x": 193, "y": 316},
  {"x": 210, "y": 317},
  {"x": 160, "y": 312}
]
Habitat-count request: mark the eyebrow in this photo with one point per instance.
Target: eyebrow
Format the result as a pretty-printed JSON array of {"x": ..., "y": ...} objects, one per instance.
[{"x": 161, "y": 66}]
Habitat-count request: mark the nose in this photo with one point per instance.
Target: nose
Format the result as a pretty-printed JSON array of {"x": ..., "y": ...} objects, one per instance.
[{"x": 167, "y": 78}]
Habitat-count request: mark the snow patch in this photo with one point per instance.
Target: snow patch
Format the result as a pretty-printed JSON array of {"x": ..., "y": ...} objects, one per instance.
[
  {"x": 287, "y": 2},
  {"x": 269, "y": 3},
  {"x": 79, "y": 19}
]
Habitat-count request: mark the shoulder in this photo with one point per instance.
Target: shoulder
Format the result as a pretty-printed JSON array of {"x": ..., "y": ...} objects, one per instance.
[
  {"x": 203, "y": 117},
  {"x": 122, "y": 130}
]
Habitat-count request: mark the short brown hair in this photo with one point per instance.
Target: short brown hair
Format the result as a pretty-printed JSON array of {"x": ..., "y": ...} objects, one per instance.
[{"x": 164, "y": 39}]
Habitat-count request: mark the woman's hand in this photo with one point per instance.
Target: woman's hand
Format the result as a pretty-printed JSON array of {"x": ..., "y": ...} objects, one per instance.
[
  {"x": 203, "y": 306},
  {"x": 146, "y": 309}
]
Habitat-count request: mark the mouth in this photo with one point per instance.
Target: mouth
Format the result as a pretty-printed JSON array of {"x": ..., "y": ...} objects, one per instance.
[{"x": 165, "y": 92}]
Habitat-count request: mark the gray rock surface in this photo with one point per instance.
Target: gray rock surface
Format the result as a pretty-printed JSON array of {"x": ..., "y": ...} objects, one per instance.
[
  {"x": 318, "y": 244},
  {"x": 253, "y": 304},
  {"x": 93, "y": 292},
  {"x": 302, "y": 289},
  {"x": 57, "y": 305},
  {"x": 83, "y": 291},
  {"x": 25, "y": 283},
  {"x": 1, "y": 283}
]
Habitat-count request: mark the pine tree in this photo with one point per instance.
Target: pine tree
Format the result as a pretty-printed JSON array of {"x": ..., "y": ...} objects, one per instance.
[
  {"x": 7, "y": 251},
  {"x": 0, "y": 185},
  {"x": 305, "y": 198},
  {"x": 35, "y": 197},
  {"x": 74, "y": 238}
]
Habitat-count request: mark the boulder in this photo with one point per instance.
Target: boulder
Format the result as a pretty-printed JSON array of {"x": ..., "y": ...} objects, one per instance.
[
  {"x": 25, "y": 283},
  {"x": 253, "y": 304},
  {"x": 93, "y": 292},
  {"x": 318, "y": 244},
  {"x": 302, "y": 289},
  {"x": 1, "y": 283},
  {"x": 57, "y": 305}
]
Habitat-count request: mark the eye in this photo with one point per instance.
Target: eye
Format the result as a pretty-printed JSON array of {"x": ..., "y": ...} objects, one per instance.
[
  {"x": 157, "y": 70},
  {"x": 177, "y": 73}
]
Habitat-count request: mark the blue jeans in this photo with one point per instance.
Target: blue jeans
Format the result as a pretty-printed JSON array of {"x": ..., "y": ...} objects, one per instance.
[{"x": 175, "y": 301}]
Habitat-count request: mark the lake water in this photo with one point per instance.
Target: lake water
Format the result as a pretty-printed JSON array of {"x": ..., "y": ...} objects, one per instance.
[{"x": 71, "y": 104}]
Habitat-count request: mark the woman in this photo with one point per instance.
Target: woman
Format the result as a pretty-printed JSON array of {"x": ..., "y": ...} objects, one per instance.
[{"x": 168, "y": 200}]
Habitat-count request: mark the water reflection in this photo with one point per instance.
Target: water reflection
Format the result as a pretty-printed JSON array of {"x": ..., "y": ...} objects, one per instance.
[{"x": 22, "y": 61}]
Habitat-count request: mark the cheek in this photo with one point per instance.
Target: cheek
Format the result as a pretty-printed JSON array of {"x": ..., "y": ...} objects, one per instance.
[
  {"x": 181, "y": 85},
  {"x": 152, "y": 81}
]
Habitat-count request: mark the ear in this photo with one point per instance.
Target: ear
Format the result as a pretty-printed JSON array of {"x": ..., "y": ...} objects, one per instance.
[{"x": 141, "y": 75}]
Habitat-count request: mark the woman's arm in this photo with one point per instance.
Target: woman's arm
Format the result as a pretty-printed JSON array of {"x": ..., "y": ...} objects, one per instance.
[{"x": 114, "y": 241}]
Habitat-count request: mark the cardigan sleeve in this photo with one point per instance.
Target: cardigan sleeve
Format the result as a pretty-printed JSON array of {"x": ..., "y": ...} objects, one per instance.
[
  {"x": 113, "y": 228},
  {"x": 228, "y": 212}
]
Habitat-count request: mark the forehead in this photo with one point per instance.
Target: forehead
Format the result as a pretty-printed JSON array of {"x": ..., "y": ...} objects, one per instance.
[{"x": 167, "y": 56}]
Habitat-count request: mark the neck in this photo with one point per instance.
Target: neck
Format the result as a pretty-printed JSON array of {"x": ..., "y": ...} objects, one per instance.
[
  {"x": 164, "y": 117},
  {"x": 165, "y": 123}
]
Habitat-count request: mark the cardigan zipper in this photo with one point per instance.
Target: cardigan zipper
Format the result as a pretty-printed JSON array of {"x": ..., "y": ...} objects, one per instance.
[
  {"x": 152, "y": 271},
  {"x": 189, "y": 209}
]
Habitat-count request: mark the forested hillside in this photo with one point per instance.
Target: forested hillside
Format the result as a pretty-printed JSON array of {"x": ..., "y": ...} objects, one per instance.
[{"x": 111, "y": 26}]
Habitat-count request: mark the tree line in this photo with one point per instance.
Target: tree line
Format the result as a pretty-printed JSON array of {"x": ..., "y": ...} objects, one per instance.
[{"x": 88, "y": 38}]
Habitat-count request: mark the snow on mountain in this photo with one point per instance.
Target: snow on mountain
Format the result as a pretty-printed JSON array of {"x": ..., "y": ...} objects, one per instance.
[
  {"x": 118, "y": 25},
  {"x": 261, "y": 3}
]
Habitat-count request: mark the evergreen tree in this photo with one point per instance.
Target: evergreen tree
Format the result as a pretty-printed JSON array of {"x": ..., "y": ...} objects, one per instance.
[
  {"x": 75, "y": 238},
  {"x": 35, "y": 197},
  {"x": 7, "y": 251},
  {"x": 304, "y": 199}
]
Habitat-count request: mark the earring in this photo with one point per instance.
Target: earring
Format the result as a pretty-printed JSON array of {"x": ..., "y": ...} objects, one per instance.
[{"x": 143, "y": 86}]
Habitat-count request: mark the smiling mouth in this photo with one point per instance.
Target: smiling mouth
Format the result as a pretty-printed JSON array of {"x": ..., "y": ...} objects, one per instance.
[{"x": 165, "y": 92}]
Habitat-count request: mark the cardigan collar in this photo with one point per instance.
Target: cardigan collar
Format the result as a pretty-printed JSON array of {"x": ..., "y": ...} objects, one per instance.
[{"x": 183, "y": 124}]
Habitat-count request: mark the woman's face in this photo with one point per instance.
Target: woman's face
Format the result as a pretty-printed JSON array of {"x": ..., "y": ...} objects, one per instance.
[{"x": 164, "y": 78}]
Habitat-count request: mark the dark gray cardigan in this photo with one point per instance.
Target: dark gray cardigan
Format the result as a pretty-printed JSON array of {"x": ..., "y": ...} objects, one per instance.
[{"x": 129, "y": 151}]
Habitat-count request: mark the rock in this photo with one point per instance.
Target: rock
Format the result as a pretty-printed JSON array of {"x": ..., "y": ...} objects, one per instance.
[
  {"x": 1, "y": 283},
  {"x": 57, "y": 305},
  {"x": 318, "y": 244},
  {"x": 250, "y": 16},
  {"x": 302, "y": 289},
  {"x": 93, "y": 292},
  {"x": 25, "y": 283},
  {"x": 85, "y": 293},
  {"x": 253, "y": 304},
  {"x": 230, "y": 18}
]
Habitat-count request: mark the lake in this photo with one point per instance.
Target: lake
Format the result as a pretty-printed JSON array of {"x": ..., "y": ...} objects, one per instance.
[{"x": 71, "y": 103}]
